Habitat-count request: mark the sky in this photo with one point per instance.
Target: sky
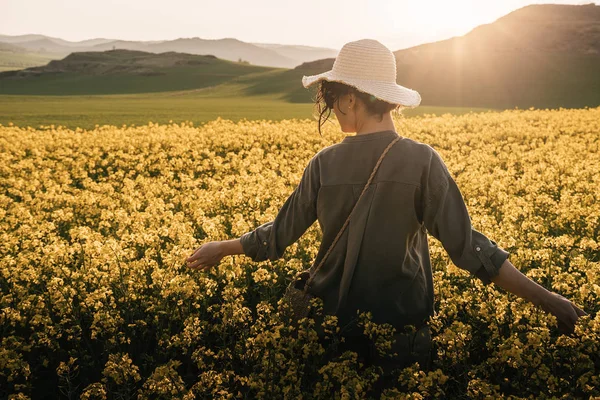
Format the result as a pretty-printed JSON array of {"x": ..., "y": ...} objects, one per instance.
[{"x": 330, "y": 23}]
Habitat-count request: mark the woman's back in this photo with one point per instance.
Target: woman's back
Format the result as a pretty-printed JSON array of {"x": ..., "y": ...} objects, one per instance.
[{"x": 381, "y": 261}]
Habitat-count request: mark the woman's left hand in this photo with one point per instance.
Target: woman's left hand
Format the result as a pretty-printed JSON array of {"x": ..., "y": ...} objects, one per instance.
[{"x": 206, "y": 256}]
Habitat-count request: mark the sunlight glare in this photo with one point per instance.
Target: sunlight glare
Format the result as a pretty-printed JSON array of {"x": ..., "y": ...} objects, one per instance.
[{"x": 436, "y": 15}]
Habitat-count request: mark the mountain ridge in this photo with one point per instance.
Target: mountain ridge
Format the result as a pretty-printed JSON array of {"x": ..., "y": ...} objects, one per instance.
[
  {"x": 504, "y": 64},
  {"x": 278, "y": 56}
]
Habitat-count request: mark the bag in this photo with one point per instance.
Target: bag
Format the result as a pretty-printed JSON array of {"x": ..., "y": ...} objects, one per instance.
[{"x": 297, "y": 293}]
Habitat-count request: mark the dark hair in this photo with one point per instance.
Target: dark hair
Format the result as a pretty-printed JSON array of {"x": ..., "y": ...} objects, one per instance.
[{"x": 330, "y": 91}]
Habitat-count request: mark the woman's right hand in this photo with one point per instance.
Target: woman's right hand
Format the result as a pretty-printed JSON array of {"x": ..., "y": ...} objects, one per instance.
[{"x": 565, "y": 312}]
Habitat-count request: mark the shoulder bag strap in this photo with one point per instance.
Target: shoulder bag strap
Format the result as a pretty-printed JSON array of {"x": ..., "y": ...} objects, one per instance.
[{"x": 349, "y": 215}]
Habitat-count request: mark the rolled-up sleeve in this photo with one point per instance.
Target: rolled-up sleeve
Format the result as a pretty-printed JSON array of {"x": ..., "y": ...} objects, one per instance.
[
  {"x": 446, "y": 217},
  {"x": 298, "y": 213}
]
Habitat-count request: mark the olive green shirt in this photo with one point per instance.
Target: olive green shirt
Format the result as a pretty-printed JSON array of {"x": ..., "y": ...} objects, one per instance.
[{"x": 381, "y": 262}]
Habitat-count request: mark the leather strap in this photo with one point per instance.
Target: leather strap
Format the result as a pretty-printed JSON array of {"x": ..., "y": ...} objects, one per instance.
[{"x": 309, "y": 281}]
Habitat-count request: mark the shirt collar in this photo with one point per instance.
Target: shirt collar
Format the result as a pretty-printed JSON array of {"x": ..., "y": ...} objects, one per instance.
[{"x": 370, "y": 136}]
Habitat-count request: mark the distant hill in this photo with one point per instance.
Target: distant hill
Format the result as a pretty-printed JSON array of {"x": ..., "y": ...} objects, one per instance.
[
  {"x": 543, "y": 56},
  {"x": 227, "y": 49},
  {"x": 14, "y": 57},
  {"x": 299, "y": 54},
  {"x": 124, "y": 71},
  {"x": 270, "y": 55},
  {"x": 117, "y": 62},
  {"x": 25, "y": 38},
  {"x": 47, "y": 44},
  {"x": 44, "y": 45},
  {"x": 24, "y": 51},
  {"x": 11, "y": 48}
]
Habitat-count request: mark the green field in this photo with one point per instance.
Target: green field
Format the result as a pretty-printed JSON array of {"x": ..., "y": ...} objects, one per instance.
[
  {"x": 122, "y": 87},
  {"x": 197, "y": 107}
]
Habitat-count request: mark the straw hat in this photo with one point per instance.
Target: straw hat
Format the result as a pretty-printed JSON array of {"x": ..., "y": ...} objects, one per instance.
[{"x": 370, "y": 67}]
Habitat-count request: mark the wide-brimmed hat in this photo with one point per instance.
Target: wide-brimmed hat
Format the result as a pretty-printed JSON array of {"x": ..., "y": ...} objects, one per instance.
[{"x": 370, "y": 67}]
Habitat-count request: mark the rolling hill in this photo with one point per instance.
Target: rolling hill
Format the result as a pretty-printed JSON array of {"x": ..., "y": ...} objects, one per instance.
[
  {"x": 543, "y": 56},
  {"x": 271, "y": 55},
  {"x": 124, "y": 71}
]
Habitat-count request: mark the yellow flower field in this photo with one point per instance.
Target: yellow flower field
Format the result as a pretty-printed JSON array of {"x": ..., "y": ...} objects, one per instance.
[{"x": 97, "y": 302}]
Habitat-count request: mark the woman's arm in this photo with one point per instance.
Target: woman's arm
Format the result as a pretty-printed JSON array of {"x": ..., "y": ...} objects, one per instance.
[
  {"x": 210, "y": 254},
  {"x": 445, "y": 215},
  {"x": 231, "y": 247},
  {"x": 269, "y": 240},
  {"x": 512, "y": 280}
]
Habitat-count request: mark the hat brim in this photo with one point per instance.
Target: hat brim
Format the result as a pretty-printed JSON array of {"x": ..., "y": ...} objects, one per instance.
[{"x": 386, "y": 91}]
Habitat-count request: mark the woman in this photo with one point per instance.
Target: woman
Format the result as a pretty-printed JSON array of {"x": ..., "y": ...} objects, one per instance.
[{"x": 381, "y": 262}]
